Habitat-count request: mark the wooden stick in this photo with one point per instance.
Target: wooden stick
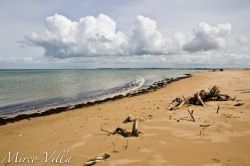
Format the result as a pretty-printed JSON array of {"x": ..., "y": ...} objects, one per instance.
[
  {"x": 170, "y": 107},
  {"x": 125, "y": 147},
  {"x": 204, "y": 125},
  {"x": 218, "y": 108},
  {"x": 182, "y": 103},
  {"x": 106, "y": 131},
  {"x": 191, "y": 114},
  {"x": 183, "y": 97},
  {"x": 130, "y": 118},
  {"x": 135, "y": 128},
  {"x": 200, "y": 100},
  {"x": 122, "y": 132}
]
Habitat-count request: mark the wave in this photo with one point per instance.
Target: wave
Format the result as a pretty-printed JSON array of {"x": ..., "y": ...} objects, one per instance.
[
  {"x": 83, "y": 97},
  {"x": 134, "y": 85},
  {"x": 138, "y": 83}
]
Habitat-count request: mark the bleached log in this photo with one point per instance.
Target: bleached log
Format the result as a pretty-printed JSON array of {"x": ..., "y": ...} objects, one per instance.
[
  {"x": 180, "y": 105},
  {"x": 200, "y": 100},
  {"x": 135, "y": 131}
]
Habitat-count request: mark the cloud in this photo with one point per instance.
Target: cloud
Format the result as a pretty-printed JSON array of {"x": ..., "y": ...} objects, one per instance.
[
  {"x": 90, "y": 36},
  {"x": 243, "y": 40},
  {"x": 207, "y": 37},
  {"x": 98, "y": 36},
  {"x": 146, "y": 39},
  {"x": 19, "y": 60}
]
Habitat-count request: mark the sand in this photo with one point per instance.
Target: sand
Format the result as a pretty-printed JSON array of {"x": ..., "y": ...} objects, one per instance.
[{"x": 168, "y": 138}]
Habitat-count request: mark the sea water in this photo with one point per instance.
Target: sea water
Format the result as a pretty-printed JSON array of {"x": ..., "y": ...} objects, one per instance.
[{"x": 37, "y": 90}]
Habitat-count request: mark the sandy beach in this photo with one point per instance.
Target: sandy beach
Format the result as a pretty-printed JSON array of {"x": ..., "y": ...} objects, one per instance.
[{"x": 168, "y": 137}]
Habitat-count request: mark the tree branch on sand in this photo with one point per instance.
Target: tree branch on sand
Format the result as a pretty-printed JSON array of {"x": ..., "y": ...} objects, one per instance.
[
  {"x": 134, "y": 133},
  {"x": 199, "y": 98},
  {"x": 191, "y": 115}
]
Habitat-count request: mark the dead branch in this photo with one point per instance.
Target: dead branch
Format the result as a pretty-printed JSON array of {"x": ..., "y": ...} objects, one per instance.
[
  {"x": 184, "y": 98},
  {"x": 175, "y": 103},
  {"x": 181, "y": 104},
  {"x": 122, "y": 132},
  {"x": 191, "y": 114},
  {"x": 199, "y": 98},
  {"x": 106, "y": 131},
  {"x": 204, "y": 125},
  {"x": 134, "y": 133},
  {"x": 218, "y": 108},
  {"x": 130, "y": 118},
  {"x": 135, "y": 128}
]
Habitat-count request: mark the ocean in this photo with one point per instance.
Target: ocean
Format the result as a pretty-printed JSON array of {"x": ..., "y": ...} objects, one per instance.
[{"x": 29, "y": 91}]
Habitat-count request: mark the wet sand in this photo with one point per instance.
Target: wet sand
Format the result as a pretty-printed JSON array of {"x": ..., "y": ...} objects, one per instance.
[{"x": 169, "y": 137}]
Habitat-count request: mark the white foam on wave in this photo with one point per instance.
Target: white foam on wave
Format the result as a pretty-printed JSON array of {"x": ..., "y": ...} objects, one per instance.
[
  {"x": 134, "y": 85},
  {"x": 129, "y": 87}
]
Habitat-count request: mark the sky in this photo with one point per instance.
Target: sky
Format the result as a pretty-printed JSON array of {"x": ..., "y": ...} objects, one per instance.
[{"x": 119, "y": 33}]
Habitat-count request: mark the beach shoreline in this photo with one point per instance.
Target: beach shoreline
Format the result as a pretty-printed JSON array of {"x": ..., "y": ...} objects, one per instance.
[
  {"x": 155, "y": 86},
  {"x": 167, "y": 137}
]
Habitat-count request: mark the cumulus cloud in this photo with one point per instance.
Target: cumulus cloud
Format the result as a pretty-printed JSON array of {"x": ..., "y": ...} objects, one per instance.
[
  {"x": 98, "y": 36},
  {"x": 90, "y": 36},
  {"x": 146, "y": 39},
  {"x": 208, "y": 37}
]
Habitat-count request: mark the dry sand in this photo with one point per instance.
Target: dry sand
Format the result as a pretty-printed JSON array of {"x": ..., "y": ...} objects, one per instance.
[{"x": 164, "y": 141}]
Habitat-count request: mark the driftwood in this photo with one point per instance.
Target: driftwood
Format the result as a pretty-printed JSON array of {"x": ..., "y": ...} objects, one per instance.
[
  {"x": 191, "y": 115},
  {"x": 131, "y": 118},
  {"x": 200, "y": 98},
  {"x": 204, "y": 125},
  {"x": 181, "y": 104},
  {"x": 134, "y": 133},
  {"x": 175, "y": 103},
  {"x": 218, "y": 108},
  {"x": 97, "y": 159},
  {"x": 109, "y": 132},
  {"x": 122, "y": 132},
  {"x": 238, "y": 104}
]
